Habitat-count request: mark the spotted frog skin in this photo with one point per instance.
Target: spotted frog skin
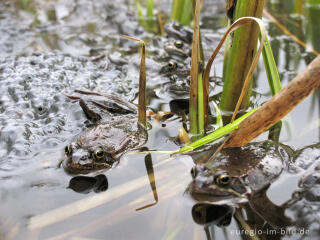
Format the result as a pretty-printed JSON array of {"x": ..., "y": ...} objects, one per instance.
[{"x": 115, "y": 130}]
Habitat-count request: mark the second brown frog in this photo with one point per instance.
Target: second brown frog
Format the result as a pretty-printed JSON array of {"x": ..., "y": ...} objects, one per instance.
[
  {"x": 241, "y": 177},
  {"x": 236, "y": 172}
]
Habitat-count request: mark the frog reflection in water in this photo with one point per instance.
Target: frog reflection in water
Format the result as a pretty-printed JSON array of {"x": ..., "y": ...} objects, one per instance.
[
  {"x": 236, "y": 172},
  {"x": 115, "y": 131}
]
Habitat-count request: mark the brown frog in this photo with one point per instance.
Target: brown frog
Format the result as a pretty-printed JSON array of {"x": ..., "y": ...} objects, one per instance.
[
  {"x": 178, "y": 31},
  {"x": 179, "y": 39},
  {"x": 237, "y": 172},
  {"x": 115, "y": 130},
  {"x": 178, "y": 48},
  {"x": 173, "y": 67}
]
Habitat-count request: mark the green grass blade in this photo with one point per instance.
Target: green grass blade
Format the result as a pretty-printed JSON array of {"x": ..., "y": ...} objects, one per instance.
[
  {"x": 150, "y": 17},
  {"x": 215, "y": 135},
  {"x": 200, "y": 105},
  {"x": 271, "y": 68},
  {"x": 150, "y": 7},
  {"x": 186, "y": 17},
  {"x": 140, "y": 14},
  {"x": 219, "y": 121},
  {"x": 140, "y": 11},
  {"x": 176, "y": 12},
  {"x": 174, "y": 9},
  {"x": 313, "y": 1},
  {"x": 209, "y": 138},
  {"x": 274, "y": 84}
]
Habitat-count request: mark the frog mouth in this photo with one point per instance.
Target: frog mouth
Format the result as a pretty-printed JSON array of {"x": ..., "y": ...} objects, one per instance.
[
  {"x": 217, "y": 191},
  {"x": 215, "y": 194},
  {"x": 76, "y": 168}
]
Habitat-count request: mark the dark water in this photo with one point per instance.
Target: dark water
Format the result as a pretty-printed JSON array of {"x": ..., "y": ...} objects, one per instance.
[{"x": 53, "y": 47}]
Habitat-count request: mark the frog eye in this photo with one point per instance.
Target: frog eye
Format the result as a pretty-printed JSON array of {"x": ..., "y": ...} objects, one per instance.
[
  {"x": 176, "y": 26},
  {"x": 178, "y": 44},
  {"x": 193, "y": 172},
  {"x": 172, "y": 65},
  {"x": 99, "y": 154},
  {"x": 68, "y": 150},
  {"x": 223, "y": 179}
]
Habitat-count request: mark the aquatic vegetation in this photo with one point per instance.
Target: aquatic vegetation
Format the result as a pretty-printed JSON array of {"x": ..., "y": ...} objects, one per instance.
[
  {"x": 205, "y": 83},
  {"x": 240, "y": 55},
  {"x": 196, "y": 112},
  {"x": 182, "y": 11},
  {"x": 278, "y": 106},
  {"x": 275, "y": 87},
  {"x": 220, "y": 132},
  {"x": 147, "y": 20}
]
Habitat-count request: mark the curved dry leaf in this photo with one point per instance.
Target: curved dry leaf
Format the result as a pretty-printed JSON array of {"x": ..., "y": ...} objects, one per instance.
[{"x": 240, "y": 22}]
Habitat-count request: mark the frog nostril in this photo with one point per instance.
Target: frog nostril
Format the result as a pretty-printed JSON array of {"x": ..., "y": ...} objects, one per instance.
[
  {"x": 80, "y": 157},
  {"x": 84, "y": 160}
]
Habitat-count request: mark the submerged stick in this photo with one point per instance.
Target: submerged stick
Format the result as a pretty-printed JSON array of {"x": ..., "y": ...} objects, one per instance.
[{"x": 278, "y": 106}]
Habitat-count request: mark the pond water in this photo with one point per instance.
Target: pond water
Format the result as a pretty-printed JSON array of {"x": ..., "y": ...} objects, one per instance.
[{"x": 53, "y": 47}]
